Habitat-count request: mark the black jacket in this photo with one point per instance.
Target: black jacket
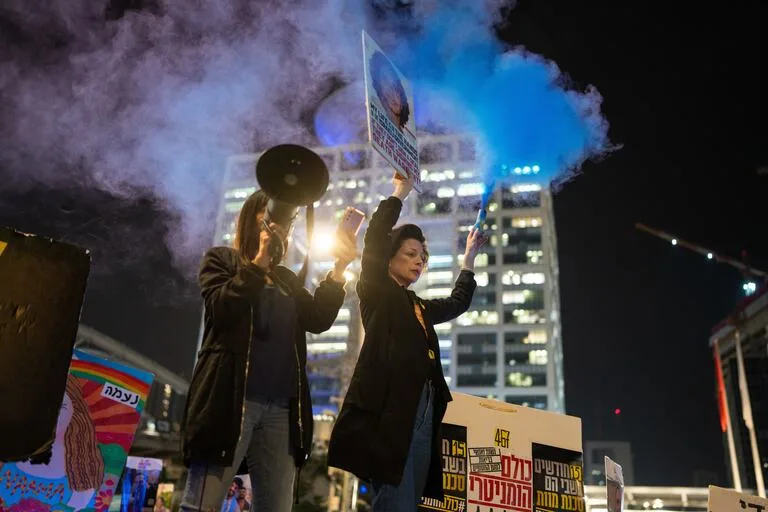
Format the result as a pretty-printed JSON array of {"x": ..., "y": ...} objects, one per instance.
[
  {"x": 373, "y": 431},
  {"x": 231, "y": 288}
]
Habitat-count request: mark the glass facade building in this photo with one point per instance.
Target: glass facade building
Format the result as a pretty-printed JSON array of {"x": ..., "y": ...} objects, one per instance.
[{"x": 508, "y": 345}]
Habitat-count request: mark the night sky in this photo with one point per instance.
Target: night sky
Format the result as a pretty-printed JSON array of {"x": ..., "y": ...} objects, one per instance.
[{"x": 683, "y": 95}]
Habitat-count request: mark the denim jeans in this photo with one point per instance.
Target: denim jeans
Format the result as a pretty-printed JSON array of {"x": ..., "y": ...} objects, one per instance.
[
  {"x": 265, "y": 442},
  {"x": 406, "y": 496}
]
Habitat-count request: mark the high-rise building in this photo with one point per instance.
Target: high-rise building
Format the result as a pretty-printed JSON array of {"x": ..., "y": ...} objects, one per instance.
[{"x": 508, "y": 345}]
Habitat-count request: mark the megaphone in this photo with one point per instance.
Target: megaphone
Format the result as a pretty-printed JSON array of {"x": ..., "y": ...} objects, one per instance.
[{"x": 292, "y": 176}]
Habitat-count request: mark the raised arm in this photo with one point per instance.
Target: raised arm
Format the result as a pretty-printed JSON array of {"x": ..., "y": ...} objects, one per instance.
[
  {"x": 226, "y": 289},
  {"x": 444, "y": 310},
  {"x": 318, "y": 312},
  {"x": 375, "y": 262}
]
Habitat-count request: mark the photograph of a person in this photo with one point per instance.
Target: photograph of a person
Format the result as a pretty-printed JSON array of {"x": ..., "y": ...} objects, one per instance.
[{"x": 390, "y": 91}]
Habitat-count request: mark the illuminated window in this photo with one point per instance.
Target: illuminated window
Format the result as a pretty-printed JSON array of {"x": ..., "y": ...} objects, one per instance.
[
  {"x": 439, "y": 277},
  {"x": 470, "y": 189},
  {"x": 440, "y": 261},
  {"x": 239, "y": 193},
  {"x": 481, "y": 260},
  {"x": 526, "y": 222},
  {"x": 537, "y": 357},
  {"x": 517, "y": 189},
  {"x": 513, "y": 341},
  {"x": 336, "y": 331},
  {"x": 513, "y": 297},
  {"x": 512, "y": 278},
  {"x": 519, "y": 380},
  {"x": 438, "y": 176},
  {"x": 526, "y": 379},
  {"x": 324, "y": 347},
  {"x": 483, "y": 317},
  {"x": 535, "y": 256},
  {"x": 437, "y": 293},
  {"x": 524, "y": 316}
]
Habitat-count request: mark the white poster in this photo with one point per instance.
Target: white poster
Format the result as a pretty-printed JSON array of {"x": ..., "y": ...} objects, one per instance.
[
  {"x": 614, "y": 486},
  {"x": 389, "y": 105},
  {"x": 727, "y": 500},
  {"x": 498, "y": 456}
]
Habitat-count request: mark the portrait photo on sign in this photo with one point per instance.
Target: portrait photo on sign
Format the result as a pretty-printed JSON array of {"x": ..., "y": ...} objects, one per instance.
[
  {"x": 391, "y": 120},
  {"x": 390, "y": 93},
  {"x": 239, "y": 495}
]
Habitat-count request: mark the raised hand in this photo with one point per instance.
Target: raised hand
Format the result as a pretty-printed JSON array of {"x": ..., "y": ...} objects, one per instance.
[
  {"x": 475, "y": 240},
  {"x": 402, "y": 186}
]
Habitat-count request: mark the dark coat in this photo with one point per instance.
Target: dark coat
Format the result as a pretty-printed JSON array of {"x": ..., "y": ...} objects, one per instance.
[
  {"x": 373, "y": 432},
  {"x": 231, "y": 289}
]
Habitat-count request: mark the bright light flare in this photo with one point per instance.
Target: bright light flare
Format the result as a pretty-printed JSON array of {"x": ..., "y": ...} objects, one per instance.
[{"x": 323, "y": 241}]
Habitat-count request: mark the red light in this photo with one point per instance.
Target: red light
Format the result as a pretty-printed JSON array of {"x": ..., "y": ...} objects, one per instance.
[{"x": 617, "y": 411}]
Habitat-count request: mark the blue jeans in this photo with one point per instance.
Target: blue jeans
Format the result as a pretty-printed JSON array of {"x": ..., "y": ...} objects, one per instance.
[
  {"x": 406, "y": 496},
  {"x": 265, "y": 442}
]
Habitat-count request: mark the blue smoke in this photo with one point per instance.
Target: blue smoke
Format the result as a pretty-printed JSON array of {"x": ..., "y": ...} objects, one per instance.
[{"x": 531, "y": 124}]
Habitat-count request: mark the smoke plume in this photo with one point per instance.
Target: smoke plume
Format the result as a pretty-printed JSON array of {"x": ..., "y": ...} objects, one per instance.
[{"x": 155, "y": 101}]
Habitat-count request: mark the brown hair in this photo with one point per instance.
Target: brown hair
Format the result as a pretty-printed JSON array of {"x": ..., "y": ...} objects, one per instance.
[
  {"x": 85, "y": 465},
  {"x": 247, "y": 229}
]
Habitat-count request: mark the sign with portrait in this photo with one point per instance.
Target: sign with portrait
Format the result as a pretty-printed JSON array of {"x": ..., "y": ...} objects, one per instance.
[
  {"x": 498, "y": 456},
  {"x": 96, "y": 424},
  {"x": 141, "y": 479},
  {"x": 389, "y": 105}
]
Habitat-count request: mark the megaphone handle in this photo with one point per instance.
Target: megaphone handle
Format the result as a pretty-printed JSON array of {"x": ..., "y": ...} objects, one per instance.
[{"x": 275, "y": 244}]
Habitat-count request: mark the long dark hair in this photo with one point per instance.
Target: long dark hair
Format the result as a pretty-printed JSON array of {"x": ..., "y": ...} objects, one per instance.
[{"x": 247, "y": 230}]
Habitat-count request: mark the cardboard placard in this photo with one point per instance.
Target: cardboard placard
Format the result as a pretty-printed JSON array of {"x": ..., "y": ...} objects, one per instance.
[
  {"x": 389, "y": 106},
  {"x": 727, "y": 500},
  {"x": 498, "y": 456}
]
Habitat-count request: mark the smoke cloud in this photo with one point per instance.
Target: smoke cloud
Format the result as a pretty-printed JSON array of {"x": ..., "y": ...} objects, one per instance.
[
  {"x": 155, "y": 102},
  {"x": 531, "y": 122}
]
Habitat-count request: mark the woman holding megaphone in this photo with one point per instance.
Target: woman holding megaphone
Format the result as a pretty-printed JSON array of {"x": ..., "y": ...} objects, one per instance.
[
  {"x": 249, "y": 395},
  {"x": 388, "y": 430}
]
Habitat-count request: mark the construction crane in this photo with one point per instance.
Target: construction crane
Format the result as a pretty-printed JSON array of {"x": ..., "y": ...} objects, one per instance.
[{"x": 749, "y": 272}]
